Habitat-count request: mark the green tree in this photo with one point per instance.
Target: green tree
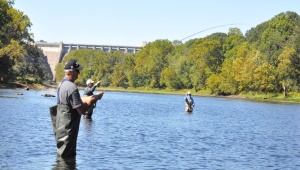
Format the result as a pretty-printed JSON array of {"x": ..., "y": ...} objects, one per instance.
[
  {"x": 235, "y": 38},
  {"x": 285, "y": 69},
  {"x": 170, "y": 79},
  {"x": 228, "y": 85},
  {"x": 122, "y": 70},
  {"x": 19, "y": 58},
  {"x": 151, "y": 61},
  {"x": 243, "y": 67},
  {"x": 213, "y": 83},
  {"x": 264, "y": 77},
  {"x": 276, "y": 36},
  {"x": 206, "y": 58}
]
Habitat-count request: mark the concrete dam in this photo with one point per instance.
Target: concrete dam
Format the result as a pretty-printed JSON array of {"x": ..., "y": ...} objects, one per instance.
[{"x": 55, "y": 52}]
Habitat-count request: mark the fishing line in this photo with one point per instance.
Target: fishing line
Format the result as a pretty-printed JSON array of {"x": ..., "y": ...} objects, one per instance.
[
  {"x": 141, "y": 63},
  {"x": 93, "y": 141},
  {"x": 211, "y": 29}
]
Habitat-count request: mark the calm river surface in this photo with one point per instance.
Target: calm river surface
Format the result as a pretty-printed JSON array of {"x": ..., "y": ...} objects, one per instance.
[{"x": 152, "y": 131}]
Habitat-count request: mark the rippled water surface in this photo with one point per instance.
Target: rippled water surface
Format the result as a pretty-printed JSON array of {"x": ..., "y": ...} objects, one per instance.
[{"x": 152, "y": 131}]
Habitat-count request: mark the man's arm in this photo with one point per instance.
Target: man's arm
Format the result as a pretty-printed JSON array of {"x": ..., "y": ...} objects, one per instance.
[
  {"x": 186, "y": 100},
  {"x": 94, "y": 87}
]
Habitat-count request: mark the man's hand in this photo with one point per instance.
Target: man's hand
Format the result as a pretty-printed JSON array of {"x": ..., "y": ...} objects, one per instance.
[
  {"x": 98, "y": 82},
  {"x": 88, "y": 101},
  {"x": 98, "y": 96},
  {"x": 92, "y": 99}
]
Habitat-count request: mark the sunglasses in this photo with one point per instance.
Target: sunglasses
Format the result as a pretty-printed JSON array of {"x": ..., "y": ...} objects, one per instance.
[{"x": 77, "y": 71}]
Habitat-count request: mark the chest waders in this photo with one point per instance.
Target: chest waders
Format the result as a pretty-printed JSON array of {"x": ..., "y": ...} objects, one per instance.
[
  {"x": 65, "y": 123},
  {"x": 67, "y": 126},
  {"x": 188, "y": 105}
]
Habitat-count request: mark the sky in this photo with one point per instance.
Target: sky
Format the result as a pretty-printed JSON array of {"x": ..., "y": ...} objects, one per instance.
[{"x": 132, "y": 22}]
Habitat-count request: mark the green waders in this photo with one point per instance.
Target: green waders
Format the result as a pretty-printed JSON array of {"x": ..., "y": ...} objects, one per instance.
[
  {"x": 65, "y": 126},
  {"x": 188, "y": 106}
]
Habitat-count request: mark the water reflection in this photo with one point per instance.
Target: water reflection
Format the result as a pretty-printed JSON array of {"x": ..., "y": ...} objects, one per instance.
[
  {"x": 65, "y": 163},
  {"x": 87, "y": 124}
]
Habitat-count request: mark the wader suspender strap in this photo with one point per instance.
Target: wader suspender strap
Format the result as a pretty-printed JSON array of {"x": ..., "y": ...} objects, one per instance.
[{"x": 58, "y": 100}]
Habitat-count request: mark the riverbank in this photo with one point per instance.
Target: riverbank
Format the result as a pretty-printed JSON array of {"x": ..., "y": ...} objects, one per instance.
[
  {"x": 17, "y": 85},
  {"x": 270, "y": 97}
]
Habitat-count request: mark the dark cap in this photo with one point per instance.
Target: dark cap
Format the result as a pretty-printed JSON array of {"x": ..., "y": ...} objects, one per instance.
[{"x": 73, "y": 64}]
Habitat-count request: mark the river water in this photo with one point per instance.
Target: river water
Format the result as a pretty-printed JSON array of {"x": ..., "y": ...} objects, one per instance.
[{"x": 152, "y": 131}]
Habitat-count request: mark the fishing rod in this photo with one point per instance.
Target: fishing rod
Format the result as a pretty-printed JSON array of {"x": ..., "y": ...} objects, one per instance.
[
  {"x": 211, "y": 29},
  {"x": 141, "y": 63}
]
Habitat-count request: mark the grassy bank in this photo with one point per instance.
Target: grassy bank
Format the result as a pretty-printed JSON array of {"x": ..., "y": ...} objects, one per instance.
[{"x": 271, "y": 97}]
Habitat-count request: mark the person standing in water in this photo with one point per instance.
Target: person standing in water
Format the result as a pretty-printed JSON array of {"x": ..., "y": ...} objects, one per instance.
[
  {"x": 189, "y": 102},
  {"x": 88, "y": 91},
  {"x": 70, "y": 107}
]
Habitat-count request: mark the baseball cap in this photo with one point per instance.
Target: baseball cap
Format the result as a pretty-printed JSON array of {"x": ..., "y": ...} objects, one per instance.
[
  {"x": 73, "y": 64},
  {"x": 89, "y": 81}
]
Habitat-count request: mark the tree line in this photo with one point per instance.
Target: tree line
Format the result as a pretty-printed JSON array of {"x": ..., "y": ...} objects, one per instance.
[{"x": 265, "y": 59}]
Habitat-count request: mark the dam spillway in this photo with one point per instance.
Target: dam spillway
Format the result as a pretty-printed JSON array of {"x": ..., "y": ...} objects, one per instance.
[{"x": 55, "y": 52}]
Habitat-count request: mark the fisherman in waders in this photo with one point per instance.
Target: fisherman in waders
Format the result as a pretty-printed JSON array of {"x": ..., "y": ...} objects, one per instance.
[
  {"x": 88, "y": 91},
  {"x": 189, "y": 102},
  {"x": 70, "y": 107}
]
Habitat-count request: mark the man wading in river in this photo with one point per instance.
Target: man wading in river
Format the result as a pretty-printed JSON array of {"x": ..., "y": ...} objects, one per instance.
[
  {"x": 70, "y": 107},
  {"x": 88, "y": 91},
  {"x": 189, "y": 102}
]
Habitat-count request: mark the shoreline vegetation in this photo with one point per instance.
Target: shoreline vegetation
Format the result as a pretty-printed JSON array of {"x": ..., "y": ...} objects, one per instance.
[{"x": 261, "y": 97}]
